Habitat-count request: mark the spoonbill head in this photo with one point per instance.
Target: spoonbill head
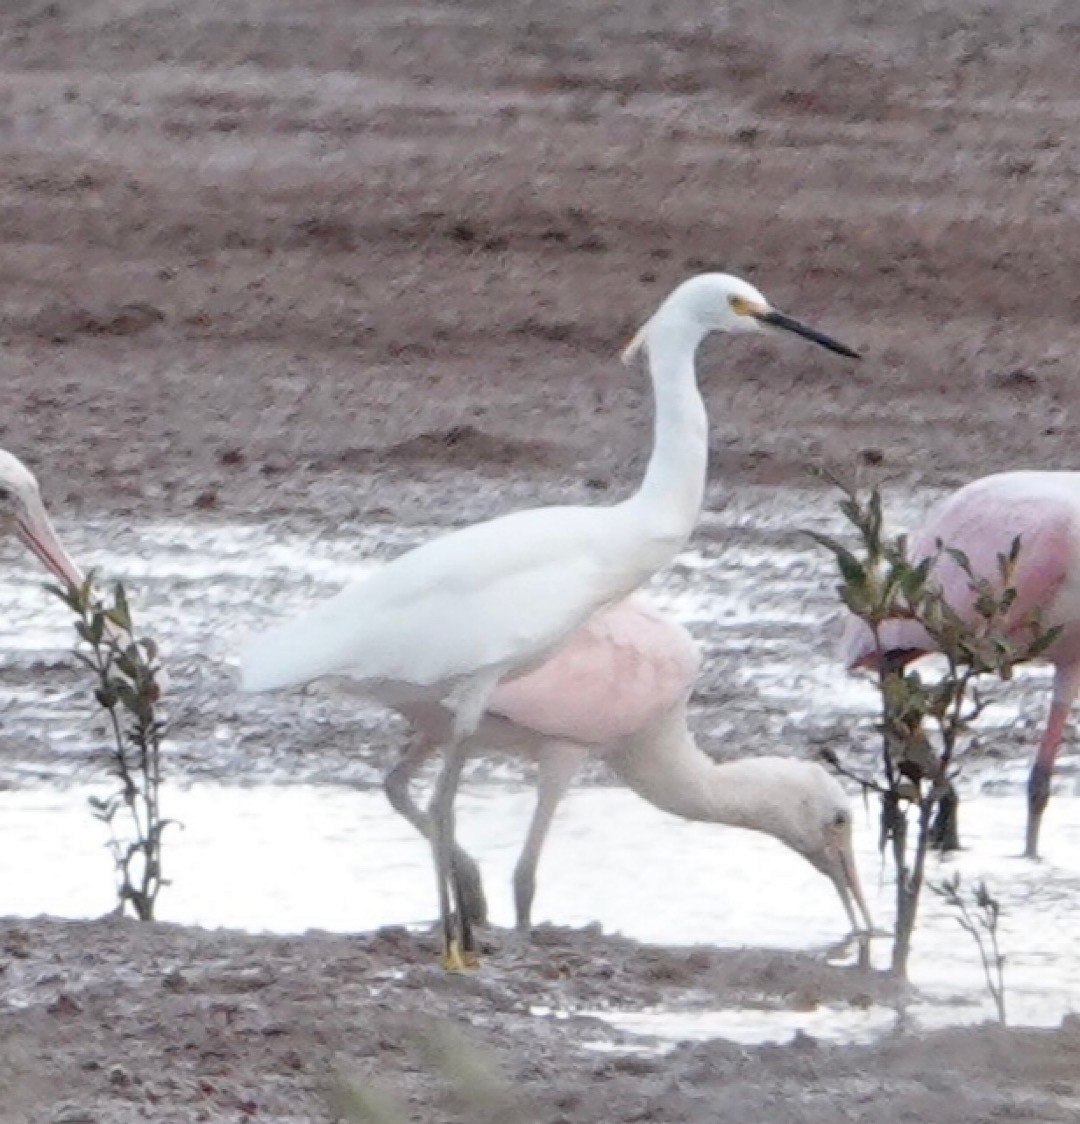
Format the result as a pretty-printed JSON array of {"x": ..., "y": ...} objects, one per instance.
[
  {"x": 814, "y": 818},
  {"x": 23, "y": 514}
]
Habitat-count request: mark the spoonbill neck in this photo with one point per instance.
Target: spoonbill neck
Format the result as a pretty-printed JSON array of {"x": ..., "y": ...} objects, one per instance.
[{"x": 664, "y": 764}]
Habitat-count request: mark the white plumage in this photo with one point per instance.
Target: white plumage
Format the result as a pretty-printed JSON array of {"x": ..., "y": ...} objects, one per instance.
[
  {"x": 445, "y": 622},
  {"x": 481, "y": 598}
]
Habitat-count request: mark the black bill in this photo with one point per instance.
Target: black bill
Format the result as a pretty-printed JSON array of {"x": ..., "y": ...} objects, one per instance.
[{"x": 790, "y": 324}]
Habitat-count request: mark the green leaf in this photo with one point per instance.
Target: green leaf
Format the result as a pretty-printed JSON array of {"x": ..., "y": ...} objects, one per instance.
[
  {"x": 851, "y": 511},
  {"x": 916, "y": 759},
  {"x": 106, "y": 697},
  {"x": 874, "y": 521},
  {"x": 857, "y": 599},
  {"x": 986, "y": 605},
  {"x": 1042, "y": 642},
  {"x": 851, "y": 569},
  {"x": 67, "y": 594},
  {"x": 121, "y": 608},
  {"x": 958, "y": 556},
  {"x": 119, "y": 619},
  {"x": 912, "y": 581}
]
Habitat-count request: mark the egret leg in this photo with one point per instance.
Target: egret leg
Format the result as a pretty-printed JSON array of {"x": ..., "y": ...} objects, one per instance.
[
  {"x": 458, "y": 949},
  {"x": 467, "y": 702},
  {"x": 398, "y": 792},
  {"x": 1066, "y": 686},
  {"x": 556, "y": 767}
]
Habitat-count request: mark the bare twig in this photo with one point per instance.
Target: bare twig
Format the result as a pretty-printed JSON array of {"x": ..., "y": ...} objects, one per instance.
[
  {"x": 867, "y": 784},
  {"x": 982, "y": 925}
]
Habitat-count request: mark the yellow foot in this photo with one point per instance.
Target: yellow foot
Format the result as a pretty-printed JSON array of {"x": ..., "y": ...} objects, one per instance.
[
  {"x": 451, "y": 959},
  {"x": 454, "y": 959}
]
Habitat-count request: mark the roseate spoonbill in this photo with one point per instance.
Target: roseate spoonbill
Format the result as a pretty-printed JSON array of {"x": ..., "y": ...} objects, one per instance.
[
  {"x": 619, "y": 687},
  {"x": 23, "y": 513},
  {"x": 446, "y": 621},
  {"x": 983, "y": 519}
]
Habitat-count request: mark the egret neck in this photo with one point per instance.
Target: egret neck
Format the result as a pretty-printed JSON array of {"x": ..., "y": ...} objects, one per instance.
[{"x": 665, "y": 509}]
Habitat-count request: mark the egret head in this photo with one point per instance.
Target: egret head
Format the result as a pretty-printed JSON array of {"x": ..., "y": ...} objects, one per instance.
[
  {"x": 23, "y": 514},
  {"x": 719, "y": 302}
]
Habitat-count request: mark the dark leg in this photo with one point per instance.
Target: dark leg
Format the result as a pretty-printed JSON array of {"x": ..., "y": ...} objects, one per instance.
[
  {"x": 1066, "y": 684},
  {"x": 456, "y": 928},
  {"x": 945, "y": 829},
  {"x": 398, "y": 792},
  {"x": 1038, "y": 798}
]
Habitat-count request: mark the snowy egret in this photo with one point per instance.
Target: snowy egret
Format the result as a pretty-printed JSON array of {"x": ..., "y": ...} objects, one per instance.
[{"x": 445, "y": 622}]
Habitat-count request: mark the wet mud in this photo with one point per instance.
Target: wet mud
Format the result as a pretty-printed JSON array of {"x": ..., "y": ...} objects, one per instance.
[
  {"x": 325, "y": 265},
  {"x": 225, "y": 1026}
]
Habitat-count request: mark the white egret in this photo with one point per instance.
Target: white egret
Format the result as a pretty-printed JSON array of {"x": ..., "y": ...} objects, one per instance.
[{"x": 445, "y": 622}]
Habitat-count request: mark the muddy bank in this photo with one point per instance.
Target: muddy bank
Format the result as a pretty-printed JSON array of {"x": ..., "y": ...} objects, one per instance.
[
  {"x": 355, "y": 261},
  {"x": 108, "y": 1021}
]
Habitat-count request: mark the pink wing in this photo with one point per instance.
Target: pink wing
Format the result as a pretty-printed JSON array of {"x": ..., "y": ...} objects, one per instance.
[
  {"x": 619, "y": 671},
  {"x": 982, "y": 520}
]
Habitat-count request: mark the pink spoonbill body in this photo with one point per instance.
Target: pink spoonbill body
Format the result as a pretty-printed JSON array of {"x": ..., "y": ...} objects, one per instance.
[
  {"x": 619, "y": 687},
  {"x": 982, "y": 520}
]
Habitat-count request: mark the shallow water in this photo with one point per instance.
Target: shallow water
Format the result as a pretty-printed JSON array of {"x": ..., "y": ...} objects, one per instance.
[
  {"x": 287, "y": 858},
  {"x": 758, "y": 596},
  {"x": 295, "y": 857}
]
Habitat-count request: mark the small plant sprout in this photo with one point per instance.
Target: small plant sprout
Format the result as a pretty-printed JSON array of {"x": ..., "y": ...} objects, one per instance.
[
  {"x": 982, "y": 923},
  {"x": 478, "y": 1088},
  {"x": 128, "y": 687},
  {"x": 925, "y": 722}
]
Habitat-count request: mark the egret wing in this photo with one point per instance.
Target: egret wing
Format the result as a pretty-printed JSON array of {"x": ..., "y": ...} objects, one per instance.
[{"x": 491, "y": 594}]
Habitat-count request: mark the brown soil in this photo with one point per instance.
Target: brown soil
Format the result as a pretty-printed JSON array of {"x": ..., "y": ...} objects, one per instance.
[
  {"x": 322, "y": 259},
  {"x": 221, "y": 1026},
  {"x": 319, "y": 257}
]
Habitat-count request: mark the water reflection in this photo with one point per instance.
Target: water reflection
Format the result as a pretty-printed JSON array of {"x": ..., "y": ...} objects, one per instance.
[{"x": 290, "y": 858}]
